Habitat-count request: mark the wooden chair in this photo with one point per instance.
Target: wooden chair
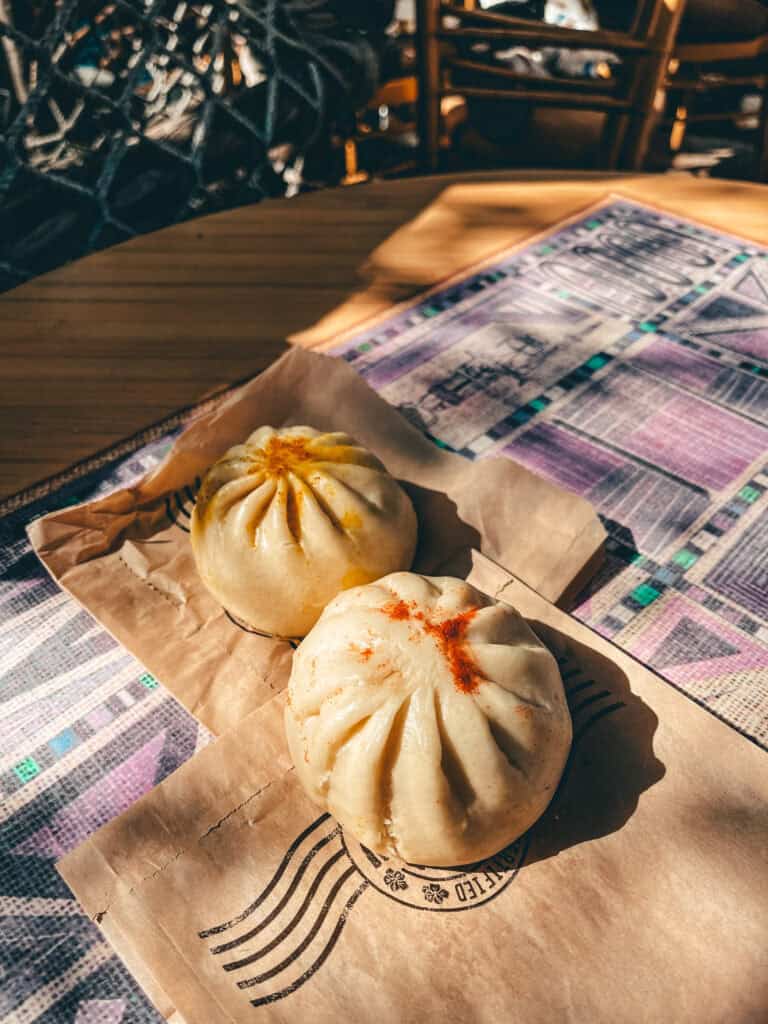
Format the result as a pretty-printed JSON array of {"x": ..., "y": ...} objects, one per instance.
[
  {"x": 701, "y": 68},
  {"x": 632, "y": 100},
  {"x": 398, "y": 92}
]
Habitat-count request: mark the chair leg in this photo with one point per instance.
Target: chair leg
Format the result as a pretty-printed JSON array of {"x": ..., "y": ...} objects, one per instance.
[
  {"x": 648, "y": 93},
  {"x": 643, "y": 123},
  {"x": 428, "y": 22},
  {"x": 612, "y": 140}
]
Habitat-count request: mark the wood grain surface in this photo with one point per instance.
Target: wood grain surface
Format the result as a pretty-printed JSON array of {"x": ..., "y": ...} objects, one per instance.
[{"x": 99, "y": 349}]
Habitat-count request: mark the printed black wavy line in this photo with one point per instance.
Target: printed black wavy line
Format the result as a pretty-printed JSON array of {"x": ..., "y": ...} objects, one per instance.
[
  {"x": 259, "y": 632},
  {"x": 233, "y": 943},
  {"x": 247, "y": 629},
  {"x": 235, "y": 964},
  {"x": 596, "y": 718},
  {"x": 323, "y": 956},
  {"x": 191, "y": 495},
  {"x": 581, "y": 686},
  {"x": 217, "y": 929},
  {"x": 279, "y": 968},
  {"x": 170, "y": 513},
  {"x": 372, "y": 858},
  {"x": 180, "y": 505},
  {"x": 309, "y": 938},
  {"x": 590, "y": 700}
]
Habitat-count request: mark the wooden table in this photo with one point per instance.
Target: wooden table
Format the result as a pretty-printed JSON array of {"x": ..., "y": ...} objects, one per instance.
[
  {"x": 100, "y": 349},
  {"x": 97, "y": 350}
]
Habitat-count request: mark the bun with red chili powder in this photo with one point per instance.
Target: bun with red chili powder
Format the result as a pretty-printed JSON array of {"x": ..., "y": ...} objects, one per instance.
[
  {"x": 427, "y": 718},
  {"x": 289, "y": 518}
]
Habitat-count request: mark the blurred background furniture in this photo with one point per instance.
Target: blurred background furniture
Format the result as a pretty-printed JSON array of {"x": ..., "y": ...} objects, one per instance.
[
  {"x": 117, "y": 118},
  {"x": 719, "y": 75},
  {"x": 385, "y": 138},
  {"x": 459, "y": 53},
  {"x": 713, "y": 119}
]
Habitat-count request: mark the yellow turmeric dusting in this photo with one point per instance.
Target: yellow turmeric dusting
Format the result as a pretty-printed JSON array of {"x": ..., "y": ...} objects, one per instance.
[
  {"x": 351, "y": 520},
  {"x": 282, "y": 454}
]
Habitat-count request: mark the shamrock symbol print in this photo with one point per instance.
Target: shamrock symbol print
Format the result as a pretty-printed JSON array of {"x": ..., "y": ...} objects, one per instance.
[
  {"x": 434, "y": 893},
  {"x": 395, "y": 880}
]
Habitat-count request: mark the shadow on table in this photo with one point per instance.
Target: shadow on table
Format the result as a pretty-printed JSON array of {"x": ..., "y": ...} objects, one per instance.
[
  {"x": 612, "y": 762},
  {"x": 445, "y": 542}
]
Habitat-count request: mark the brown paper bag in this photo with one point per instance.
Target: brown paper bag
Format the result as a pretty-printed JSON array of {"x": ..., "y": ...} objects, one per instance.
[
  {"x": 127, "y": 557},
  {"x": 640, "y": 895}
]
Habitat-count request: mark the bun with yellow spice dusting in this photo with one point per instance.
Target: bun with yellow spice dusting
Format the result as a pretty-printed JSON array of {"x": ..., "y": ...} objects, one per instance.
[{"x": 288, "y": 519}]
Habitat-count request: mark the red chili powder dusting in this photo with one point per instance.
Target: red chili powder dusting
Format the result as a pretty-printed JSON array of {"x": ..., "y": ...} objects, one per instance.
[
  {"x": 362, "y": 652},
  {"x": 398, "y": 610},
  {"x": 450, "y": 636}
]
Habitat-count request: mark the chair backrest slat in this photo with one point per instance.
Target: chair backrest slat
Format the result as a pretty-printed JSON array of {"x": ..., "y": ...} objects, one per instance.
[{"x": 631, "y": 103}]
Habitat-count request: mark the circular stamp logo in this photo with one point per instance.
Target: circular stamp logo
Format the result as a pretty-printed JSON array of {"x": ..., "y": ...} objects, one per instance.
[{"x": 438, "y": 889}]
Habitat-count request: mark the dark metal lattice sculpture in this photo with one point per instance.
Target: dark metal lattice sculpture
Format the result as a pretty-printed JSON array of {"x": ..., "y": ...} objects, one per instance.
[{"x": 120, "y": 117}]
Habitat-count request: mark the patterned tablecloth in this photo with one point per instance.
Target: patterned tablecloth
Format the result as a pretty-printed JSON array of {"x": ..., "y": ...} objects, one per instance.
[{"x": 624, "y": 356}]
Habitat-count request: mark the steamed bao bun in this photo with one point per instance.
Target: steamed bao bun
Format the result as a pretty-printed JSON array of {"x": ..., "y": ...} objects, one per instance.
[
  {"x": 291, "y": 517},
  {"x": 427, "y": 718}
]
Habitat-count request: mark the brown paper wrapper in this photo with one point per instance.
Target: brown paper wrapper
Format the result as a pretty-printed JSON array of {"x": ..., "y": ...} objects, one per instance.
[
  {"x": 639, "y": 896},
  {"x": 127, "y": 557}
]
